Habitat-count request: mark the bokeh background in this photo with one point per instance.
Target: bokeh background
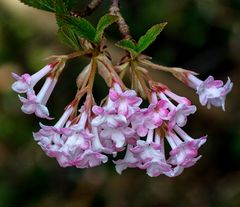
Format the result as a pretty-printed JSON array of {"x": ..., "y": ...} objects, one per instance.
[{"x": 202, "y": 35}]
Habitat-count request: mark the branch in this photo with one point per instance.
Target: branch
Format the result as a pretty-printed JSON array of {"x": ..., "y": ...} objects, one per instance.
[
  {"x": 122, "y": 25},
  {"x": 91, "y": 7}
]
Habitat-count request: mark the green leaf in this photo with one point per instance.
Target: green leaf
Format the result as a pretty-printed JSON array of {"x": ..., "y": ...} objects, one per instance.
[
  {"x": 143, "y": 42},
  {"x": 149, "y": 37},
  {"x": 128, "y": 45},
  {"x": 81, "y": 26},
  {"x": 50, "y": 5},
  {"x": 69, "y": 37},
  {"x": 60, "y": 7},
  {"x": 103, "y": 23},
  {"x": 47, "y": 5}
]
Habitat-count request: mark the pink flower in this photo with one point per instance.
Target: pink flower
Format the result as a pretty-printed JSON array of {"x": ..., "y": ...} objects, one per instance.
[
  {"x": 26, "y": 82},
  {"x": 77, "y": 151},
  {"x": 101, "y": 145},
  {"x": 128, "y": 161},
  {"x": 113, "y": 119},
  {"x": 126, "y": 103},
  {"x": 184, "y": 153},
  {"x": 152, "y": 158},
  {"x": 158, "y": 110},
  {"x": 37, "y": 103},
  {"x": 91, "y": 158},
  {"x": 50, "y": 143},
  {"x": 50, "y": 137},
  {"x": 82, "y": 148},
  {"x": 112, "y": 126},
  {"x": 107, "y": 117},
  {"x": 178, "y": 114},
  {"x": 210, "y": 91},
  {"x": 118, "y": 135},
  {"x": 142, "y": 121},
  {"x": 178, "y": 99},
  {"x": 70, "y": 154}
]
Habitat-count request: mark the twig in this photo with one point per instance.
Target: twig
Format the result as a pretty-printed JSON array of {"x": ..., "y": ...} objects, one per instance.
[
  {"x": 122, "y": 25},
  {"x": 91, "y": 7}
]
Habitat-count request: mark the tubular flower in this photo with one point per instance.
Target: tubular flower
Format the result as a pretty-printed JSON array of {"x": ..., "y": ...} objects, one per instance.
[
  {"x": 210, "y": 91},
  {"x": 128, "y": 161},
  {"x": 26, "y": 82},
  {"x": 178, "y": 114},
  {"x": 37, "y": 103},
  {"x": 185, "y": 150},
  {"x": 126, "y": 103},
  {"x": 32, "y": 103},
  {"x": 49, "y": 137}
]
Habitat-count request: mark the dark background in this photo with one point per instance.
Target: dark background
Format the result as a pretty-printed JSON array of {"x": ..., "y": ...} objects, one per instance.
[{"x": 201, "y": 35}]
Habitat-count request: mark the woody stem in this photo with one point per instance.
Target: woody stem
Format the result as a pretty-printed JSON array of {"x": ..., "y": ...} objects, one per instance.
[
  {"x": 122, "y": 25},
  {"x": 91, "y": 7}
]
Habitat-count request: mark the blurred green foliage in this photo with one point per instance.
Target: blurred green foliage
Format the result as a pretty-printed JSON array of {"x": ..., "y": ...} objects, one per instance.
[{"x": 203, "y": 35}]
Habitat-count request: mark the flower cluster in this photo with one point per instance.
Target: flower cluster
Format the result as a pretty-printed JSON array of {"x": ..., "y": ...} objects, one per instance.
[
  {"x": 142, "y": 122},
  {"x": 126, "y": 127},
  {"x": 87, "y": 137}
]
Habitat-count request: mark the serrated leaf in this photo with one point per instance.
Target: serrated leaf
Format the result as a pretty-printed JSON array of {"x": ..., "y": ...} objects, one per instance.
[
  {"x": 149, "y": 37},
  {"x": 103, "y": 23},
  {"x": 47, "y": 5},
  {"x": 69, "y": 37},
  {"x": 81, "y": 26},
  {"x": 128, "y": 45}
]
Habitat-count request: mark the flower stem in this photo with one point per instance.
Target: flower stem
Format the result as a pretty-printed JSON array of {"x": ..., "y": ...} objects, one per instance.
[
  {"x": 78, "y": 54},
  {"x": 134, "y": 77},
  {"x": 69, "y": 56},
  {"x": 172, "y": 70},
  {"x": 111, "y": 69},
  {"x": 91, "y": 76},
  {"x": 140, "y": 78}
]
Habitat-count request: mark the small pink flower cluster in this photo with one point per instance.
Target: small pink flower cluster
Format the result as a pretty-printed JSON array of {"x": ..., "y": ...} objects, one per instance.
[
  {"x": 35, "y": 104},
  {"x": 85, "y": 139},
  {"x": 141, "y": 131},
  {"x": 72, "y": 143}
]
